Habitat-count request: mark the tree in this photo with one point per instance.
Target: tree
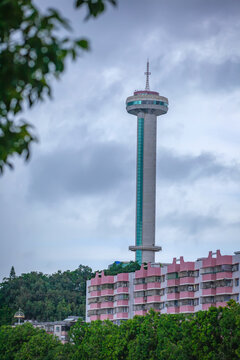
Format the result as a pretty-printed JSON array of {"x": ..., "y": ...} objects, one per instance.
[
  {"x": 32, "y": 53},
  {"x": 95, "y": 341},
  {"x": 24, "y": 342},
  {"x": 45, "y": 297},
  {"x": 205, "y": 335},
  {"x": 12, "y": 273}
]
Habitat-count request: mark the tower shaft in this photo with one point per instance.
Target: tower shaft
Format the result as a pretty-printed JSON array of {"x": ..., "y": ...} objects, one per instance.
[
  {"x": 146, "y": 105},
  {"x": 146, "y": 186}
]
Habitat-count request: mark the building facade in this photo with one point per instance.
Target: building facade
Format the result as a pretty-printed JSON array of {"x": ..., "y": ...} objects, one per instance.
[
  {"x": 60, "y": 329},
  {"x": 179, "y": 287},
  {"x": 147, "y": 106}
]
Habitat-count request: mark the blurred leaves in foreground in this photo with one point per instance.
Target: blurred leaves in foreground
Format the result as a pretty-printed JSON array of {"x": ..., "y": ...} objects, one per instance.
[{"x": 33, "y": 51}]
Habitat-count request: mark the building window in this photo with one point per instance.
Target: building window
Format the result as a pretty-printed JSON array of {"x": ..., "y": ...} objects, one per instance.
[
  {"x": 223, "y": 268},
  {"x": 139, "y": 307},
  {"x": 121, "y": 284},
  {"x": 208, "y": 270},
  {"x": 154, "y": 306},
  {"x": 139, "y": 281},
  {"x": 172, "y": 290},
  {"x": 106, "y": 299},
  {"x": 147, "y": 102},
  {"x": 235, "y": 267},
  {"x": 171, "y": 276},
  {"x": 121, "y": 297},
  {"x": 139, "y": 294},
  {"x": 107, "y": 286},
  {"x": 224, "y": 283},
  {"x": 189, "y": 287},
  {"x": 153, "y": 292},
  {"x": 94, "y": 288},
  {"x": 208, "y": 285},
  {"x": 123, "y": 309},
  {"x": 236, "y": 282},
  {"x": 172, "y": 303},
  {"x": 208, "y": 300},
  {"x": 191, "y": 273}
]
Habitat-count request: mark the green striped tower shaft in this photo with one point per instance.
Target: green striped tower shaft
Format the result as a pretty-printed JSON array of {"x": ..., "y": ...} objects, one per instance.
[{"x": 147, "y": 106}]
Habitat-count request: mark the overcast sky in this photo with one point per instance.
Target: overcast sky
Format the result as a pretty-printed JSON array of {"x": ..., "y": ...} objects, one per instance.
[{"x": 74, "y": 202}]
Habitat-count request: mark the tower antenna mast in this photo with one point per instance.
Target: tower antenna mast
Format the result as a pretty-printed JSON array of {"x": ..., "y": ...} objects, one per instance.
[{"x": 147, "y": 73}]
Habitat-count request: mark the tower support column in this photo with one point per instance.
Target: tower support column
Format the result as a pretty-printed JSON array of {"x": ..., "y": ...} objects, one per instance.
[
  {"x": 146, "y": 105},
  {"x": 149, "y": 186}
]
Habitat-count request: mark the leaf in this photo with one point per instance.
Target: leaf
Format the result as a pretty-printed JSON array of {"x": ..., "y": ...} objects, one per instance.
[{"x": 83, "y": 43}]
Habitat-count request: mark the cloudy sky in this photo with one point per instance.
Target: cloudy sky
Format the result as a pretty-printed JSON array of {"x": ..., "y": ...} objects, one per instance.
[{"x": 74, "y": 202}]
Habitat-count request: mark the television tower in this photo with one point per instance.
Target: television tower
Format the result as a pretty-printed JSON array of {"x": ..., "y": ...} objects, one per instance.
[{"x": 146, "y": 105}]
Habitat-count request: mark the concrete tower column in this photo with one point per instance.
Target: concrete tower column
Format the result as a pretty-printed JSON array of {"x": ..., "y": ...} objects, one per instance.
[{"x": 146, "y": 105}]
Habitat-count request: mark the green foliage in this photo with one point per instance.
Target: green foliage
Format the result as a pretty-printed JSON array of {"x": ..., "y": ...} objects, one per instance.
[
  {"x": 12, "y": 273},
  {"x": 122, "y": 268},
  {"x": 94, "y": 7},
  {"x": 44, "y": 297},
  {"x": 206, "y": 335},
  {"x": 33, "y": 51},
  {"x": 95, "y": 341},
  {"x": 27, "y": 343}
]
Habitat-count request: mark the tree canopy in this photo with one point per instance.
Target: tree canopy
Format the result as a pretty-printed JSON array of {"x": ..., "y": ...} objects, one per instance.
[
  {"x": 120, "y": 267},
  {"x": 33, "y": 51},
  {"x": 44, "y": 297},
  {"x": 206, "y": 335}
]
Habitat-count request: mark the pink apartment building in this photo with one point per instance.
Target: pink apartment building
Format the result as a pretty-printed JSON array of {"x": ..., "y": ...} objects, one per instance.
[{"x": 179, "y": 287}]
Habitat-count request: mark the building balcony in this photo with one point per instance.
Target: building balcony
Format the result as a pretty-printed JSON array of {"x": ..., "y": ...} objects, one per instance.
[
  {"x": 95, "y": 306},
  {"x": 107, "y": 292},
  {"x": 106, "y": 317},
  {"x": 224, "y": 290},
  {"x": 173, "y": 310},
  {"x": 186, "y": 294},
  {"x": 173, "y": 282},
  {"x": 153, "y": 271},
  {"x": 123, "y": 290},
  {"x": 154, "y": 285},
  {"x": 106, "y": 304},
  {"x": 140, "y": 300},
  {"x": 221, "y": 303},
  {"x": 207, "y": 292},
  {"x": 94, "y": 317},
  {"x": 121, "y": 315},
  {"x": 173, "y": 296},
  {"x": 95, "y": 293},
  {"x": 140, "y": 287},
  {"x": 223, "y": 275},
  {"x": 186, "y": 309},
  {"x": 123, "y": 277},
  {"x": 140, "y": 312},
  {"x": 153, "y": 299},
  {"x": 208, "y": 277},
  {"x": 207, "y": 306},
  {"x": 122, "y": 303},
  {"x": 187, "y": 280}
]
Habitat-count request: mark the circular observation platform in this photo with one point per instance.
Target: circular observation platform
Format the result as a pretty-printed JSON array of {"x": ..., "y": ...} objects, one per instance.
[{"x": 147, "y": 101}]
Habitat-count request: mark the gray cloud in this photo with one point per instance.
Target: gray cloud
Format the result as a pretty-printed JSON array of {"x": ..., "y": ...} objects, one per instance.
[
  {"x": 190, "y": 223},
  {"x": 96, "y": 169},
  {"x": 105, "y": 167},
  {"x": 202, "y": 75},
  {"x": 175, "y": 168}
]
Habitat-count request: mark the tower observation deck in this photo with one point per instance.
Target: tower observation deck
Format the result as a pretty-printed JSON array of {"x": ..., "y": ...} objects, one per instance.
[{"x": 146, "y": 105}]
